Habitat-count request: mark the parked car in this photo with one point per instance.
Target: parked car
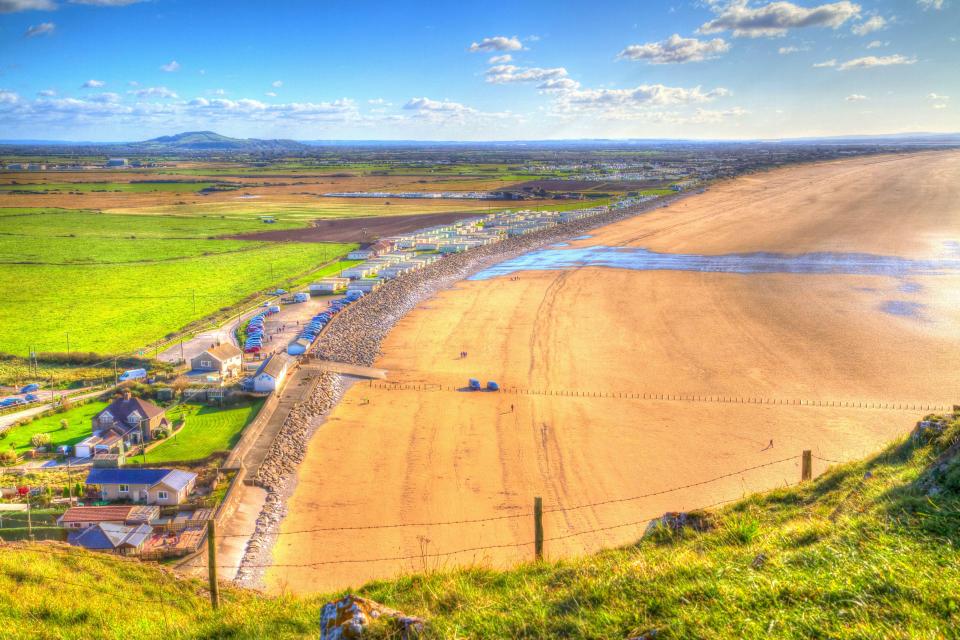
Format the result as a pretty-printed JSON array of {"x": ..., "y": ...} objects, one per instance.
[
  {"x": 30, "y": 388},
  {"x": 31, "y": 397},
  {"x": 474, "y": 384}
]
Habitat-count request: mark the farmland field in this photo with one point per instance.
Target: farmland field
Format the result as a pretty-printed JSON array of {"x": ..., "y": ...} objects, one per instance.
[
  {"x": 207, "y": 430},
  {"x": 114, "y": 283}
]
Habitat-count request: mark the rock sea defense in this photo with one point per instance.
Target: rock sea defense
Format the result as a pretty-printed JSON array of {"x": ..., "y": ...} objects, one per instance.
[{"x": 346, "y": 619}]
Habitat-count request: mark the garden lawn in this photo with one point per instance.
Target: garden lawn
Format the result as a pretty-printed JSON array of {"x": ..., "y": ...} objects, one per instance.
[
  {"x": 78, "y": 421},
  {"x": 207, "y": 430}
]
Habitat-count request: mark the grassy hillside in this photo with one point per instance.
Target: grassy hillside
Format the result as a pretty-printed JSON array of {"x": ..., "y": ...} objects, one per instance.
[{"x": 869, "y": 550}]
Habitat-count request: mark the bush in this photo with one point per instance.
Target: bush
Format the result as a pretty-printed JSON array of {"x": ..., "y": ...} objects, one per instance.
[
  {"x": 40, "y": 439},
  {"x": 8, "y": 456},
  {"x": 64, "y": 424}
]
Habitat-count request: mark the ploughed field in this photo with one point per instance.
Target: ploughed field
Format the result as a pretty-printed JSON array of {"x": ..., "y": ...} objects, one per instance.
[{"x": 776, "y": 293}]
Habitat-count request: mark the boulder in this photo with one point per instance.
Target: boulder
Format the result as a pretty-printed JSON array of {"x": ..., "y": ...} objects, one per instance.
[{"x": 346, "y": 619}]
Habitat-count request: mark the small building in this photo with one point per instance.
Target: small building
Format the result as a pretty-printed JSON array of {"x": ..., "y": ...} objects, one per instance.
[
  {"x": 114, "y": 538},
  {"x": 226, "y": 359},
  {"x": 271, "y": 375},
  {"x": 130, "y": 515},
  {"x": 104, "y": 441},
  {"x": 361, "y": 254},
  {"x": 150, "y": 486},
  {"x": 301, "y": 296},
  {"x": 298, "y": 347},
  {"x": 117, "y": 162},
  {"x": 134, "y": 417},
  {"x": 329, "y": 285}
]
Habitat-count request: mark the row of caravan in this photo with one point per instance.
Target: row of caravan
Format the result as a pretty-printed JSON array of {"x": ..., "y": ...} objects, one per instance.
[{"x": 308, "y": 336}]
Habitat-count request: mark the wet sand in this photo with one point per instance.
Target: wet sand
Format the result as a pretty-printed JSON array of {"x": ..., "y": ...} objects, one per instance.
[{"x": 424, "y": 456}]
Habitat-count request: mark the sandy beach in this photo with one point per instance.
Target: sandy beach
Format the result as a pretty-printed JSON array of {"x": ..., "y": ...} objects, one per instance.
[{"x": 407, "y": 457}]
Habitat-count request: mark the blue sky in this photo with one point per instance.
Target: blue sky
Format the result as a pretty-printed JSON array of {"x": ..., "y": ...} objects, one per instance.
[{"x": 130, "y": 70}]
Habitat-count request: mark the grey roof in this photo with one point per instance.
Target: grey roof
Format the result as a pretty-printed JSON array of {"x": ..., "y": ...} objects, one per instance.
[
  {"x": 123, "y": 407},
  {"x": 272, "y": 367},
  {"x": 178, "y": 479},
  {"x": 107, "y": 536}
]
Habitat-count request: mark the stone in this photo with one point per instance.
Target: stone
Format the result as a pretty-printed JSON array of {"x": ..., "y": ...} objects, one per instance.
[{"x": 346, "y": 619}]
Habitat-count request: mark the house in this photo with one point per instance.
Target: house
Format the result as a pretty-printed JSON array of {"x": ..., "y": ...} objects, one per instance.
[
  {"x": 271, "y": 375},
  {"x": 226, "y": 359},
  {"x": 361, "y": 254},
  {"x": 131, "y": 515},
  {"x": 133, "y": 417},
  {"x": 152, "y": 486},
  {"x": 115, "y": 538},
  {"x": 329, "y": 285}
]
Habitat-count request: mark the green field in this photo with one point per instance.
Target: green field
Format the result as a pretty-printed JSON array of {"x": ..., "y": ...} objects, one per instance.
[
  {"x": 207, "y": 430},
  {"x": 79, "y": 426},
  {"x": 113, "y": 283},
  {"x": 865, "y": 552}
]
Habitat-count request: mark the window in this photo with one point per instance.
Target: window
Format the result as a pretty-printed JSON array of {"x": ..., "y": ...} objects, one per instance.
[
  {"x": 162, "y": 495},
  {"x": 206, "y": 364},
  {"x": 124, "y": 488}
]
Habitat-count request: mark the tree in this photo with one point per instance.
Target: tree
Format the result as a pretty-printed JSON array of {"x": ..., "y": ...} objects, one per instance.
[
  {"x": 40, "y": 439},
  {"x": 64, "y": 424}
]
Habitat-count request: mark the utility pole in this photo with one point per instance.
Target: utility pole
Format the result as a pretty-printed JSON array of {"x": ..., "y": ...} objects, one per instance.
[
  {"x": 181, "y": 351},
  {"x": 194, "y": 294},
  {"x": 212, "y": 563},
  {"x": 68, "y": 346},
  {"x": 806, "y": 467},
  {"x": 116, "y": 378}
]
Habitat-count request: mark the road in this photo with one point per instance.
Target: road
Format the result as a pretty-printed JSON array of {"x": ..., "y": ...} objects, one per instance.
[{"x": 76, "y": 394}]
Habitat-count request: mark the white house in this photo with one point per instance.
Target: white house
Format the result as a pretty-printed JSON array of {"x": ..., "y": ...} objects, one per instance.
[{"x": 271, "y": 375}]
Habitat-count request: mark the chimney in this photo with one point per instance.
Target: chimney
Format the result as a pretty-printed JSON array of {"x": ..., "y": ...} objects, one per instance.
[{"x": 126, "y": 394}]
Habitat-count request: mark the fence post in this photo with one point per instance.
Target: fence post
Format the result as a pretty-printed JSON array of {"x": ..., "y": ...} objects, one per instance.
[
  {"x": 538, "y": 528},
  {"x": 806, "y": 468},
  {"x": 212, "y": 563}
]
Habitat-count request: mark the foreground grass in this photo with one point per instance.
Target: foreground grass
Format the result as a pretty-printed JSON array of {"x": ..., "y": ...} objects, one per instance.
[
  {"x": 866, "y": 551},
  {"x": 207, "y": 430}
]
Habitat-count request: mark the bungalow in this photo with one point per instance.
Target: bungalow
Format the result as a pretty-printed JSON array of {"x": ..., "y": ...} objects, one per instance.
[
  {"x": 152, "y": 486},
  {"x": 271, "y": 375},
  {"x": 131, "y": 416},
  {"x": 130, "y": 515},
  {"x": 226, "y": 359},
  {"x": 115, "y": 538}
]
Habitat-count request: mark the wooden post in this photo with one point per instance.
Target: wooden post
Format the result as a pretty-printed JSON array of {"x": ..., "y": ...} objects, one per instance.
[
  {"x": 806, "y": 468},
  {"x": 212, "y": 563},
  {"x": 538, "y": 528}
]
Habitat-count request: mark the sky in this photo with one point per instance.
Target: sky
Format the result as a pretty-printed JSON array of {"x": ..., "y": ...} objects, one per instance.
[{"x": 122, "y": 70}]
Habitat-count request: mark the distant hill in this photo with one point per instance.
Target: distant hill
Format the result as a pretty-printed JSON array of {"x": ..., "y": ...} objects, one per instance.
[{"x": 211, "y": 141}]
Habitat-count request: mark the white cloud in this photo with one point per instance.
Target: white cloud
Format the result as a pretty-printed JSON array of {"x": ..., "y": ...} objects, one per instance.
[
  {"x": 856, "y": 97},
  {"x": 675, "y": 50},
  {"x": 938, "y": 101},
  {"x": 785, "y": 51},
  {"x": 868, "y": 62},
  {"x": 874, "y": 23},
  {"x": 93, "y": 84},
  {"x": 497, "y": 43},
  {"x": 876, "y": 44},
  {"x": 505, "y": 58},
  {"x": 426, "y": 105},
  {"x": 826, "y": 63},
  {"x": 775, "y": 18},
  {"x": 271, "y": 94},
  {"x": 8, "y": 97},
  {"x": 47, "y": 93},
  {"x": 926, "y": 5},
  {"x": 643, "y": 96},
  {"x": 552, "y": 79},
  {"x": 379, "y": 102},
  {"x": 13, "y": 6},
  {"x": 42, "y": 29},
  {"x": 276, "y": 84},
  {"x": 170, "y": 67},
  {"x": 133, "y": 83},
  {"x": 154, "y": 92},
  {"x": 217, "y": 92}
]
